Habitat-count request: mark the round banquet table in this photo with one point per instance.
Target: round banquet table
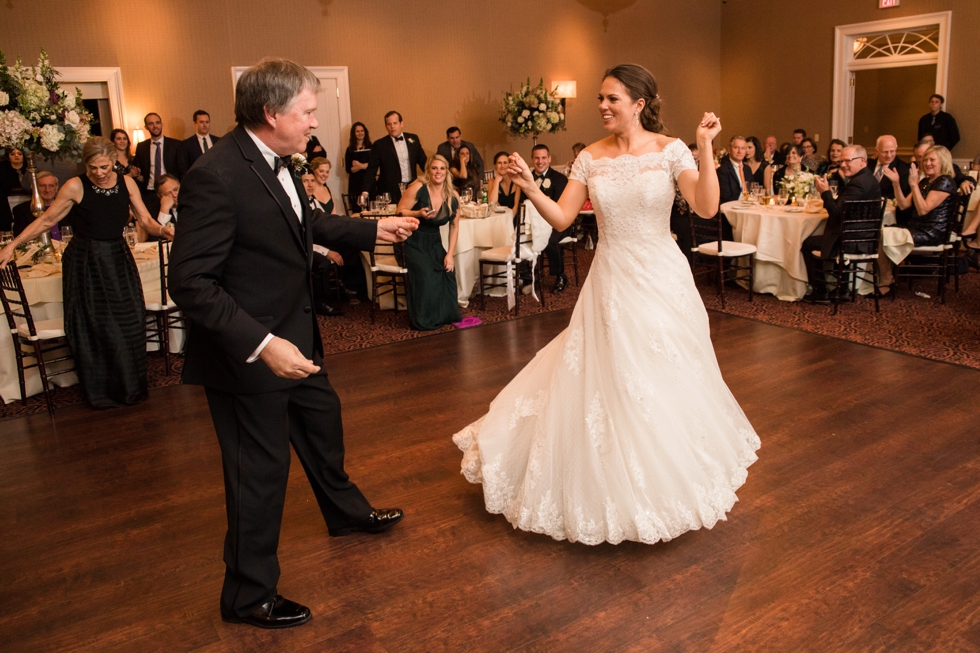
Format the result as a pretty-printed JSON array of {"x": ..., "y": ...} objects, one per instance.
[
  {"x": 475, "y": 236},
  {"x": 778, "y": 235},
  {"x": 46, "y": 302}
]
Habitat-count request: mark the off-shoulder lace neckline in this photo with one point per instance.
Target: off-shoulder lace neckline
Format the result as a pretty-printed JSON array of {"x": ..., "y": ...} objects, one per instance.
[{"x": 631, "y": 156}]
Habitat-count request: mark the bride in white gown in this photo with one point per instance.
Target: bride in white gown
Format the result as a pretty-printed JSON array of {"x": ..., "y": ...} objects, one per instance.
[{"x": 622, "y": 427}]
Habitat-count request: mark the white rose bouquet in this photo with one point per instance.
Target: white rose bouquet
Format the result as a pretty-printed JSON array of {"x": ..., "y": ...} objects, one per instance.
[
  {"x": 532, "y": 111},
  {"x": 800, "y": 185},
  {"x": 37, "y": 115}
]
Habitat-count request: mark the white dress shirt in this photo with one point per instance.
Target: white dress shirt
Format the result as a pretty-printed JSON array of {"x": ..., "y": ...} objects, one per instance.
[
  {"x": 290, "y": 188},
  {"x": 401, "y": 149}
]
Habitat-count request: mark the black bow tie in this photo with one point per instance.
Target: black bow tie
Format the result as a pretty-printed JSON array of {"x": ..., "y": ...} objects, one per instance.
[
  {"x": 399, "y": 138},
  {"x": 282, "y": 162},
  {"x": 538, "y": 176}
]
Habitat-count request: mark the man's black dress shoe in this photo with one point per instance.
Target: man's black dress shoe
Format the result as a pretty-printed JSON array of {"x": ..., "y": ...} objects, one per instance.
[
  {"x": 560, "y": 283},
  {"x": 327, "y": 310},
  {"x": 379, "y": 520},
  {"x": 277, "y": 612}
]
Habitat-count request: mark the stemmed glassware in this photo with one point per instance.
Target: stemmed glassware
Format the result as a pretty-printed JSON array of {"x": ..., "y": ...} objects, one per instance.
[
  {"x": 783, "y": 197},
  {"x": 467, "y": 196},
  {"x": 66, "y": 235},
  {"x": 362, "y": 201}
]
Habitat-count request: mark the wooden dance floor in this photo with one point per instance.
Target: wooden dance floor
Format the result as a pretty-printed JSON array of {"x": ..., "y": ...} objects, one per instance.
[{"x": 857, "y": 529}]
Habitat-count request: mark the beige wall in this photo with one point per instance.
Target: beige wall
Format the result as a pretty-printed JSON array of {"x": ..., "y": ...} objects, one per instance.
[
  {"x": 439, "y": 63},
  {"x": 778, "y": 64}
]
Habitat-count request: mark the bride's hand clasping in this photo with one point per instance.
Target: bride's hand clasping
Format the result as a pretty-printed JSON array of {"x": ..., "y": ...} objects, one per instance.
[
  {"x": 709, "y": 127},
  {"x": 519, "y": 173}
]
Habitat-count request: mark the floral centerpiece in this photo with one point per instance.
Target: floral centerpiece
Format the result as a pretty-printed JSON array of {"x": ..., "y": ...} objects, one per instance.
[
  {"x": 799, "y": 185},
  {"x": 532, "y": 110},
  {"x": 37, "y": 116}
]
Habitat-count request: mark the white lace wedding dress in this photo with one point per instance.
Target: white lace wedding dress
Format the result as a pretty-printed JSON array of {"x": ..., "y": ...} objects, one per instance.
[{"x": 622, "y": 427}]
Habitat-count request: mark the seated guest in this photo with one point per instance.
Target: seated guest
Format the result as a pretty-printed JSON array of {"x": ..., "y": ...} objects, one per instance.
[
  {"x": 811, "y": 160},
  {"x": 168, "y": 190},
  {"x": 933, "y": 201},
  {"x": 465, "y": 174},
  {"x": 886, "y": 156},
  {"x": 202, "y": 140},
  {"x": 576, "y": 150},
  {"x": 794, "y": 166},
  {"x": 964, "y": 182},
  {"x": 432, "y": 294},
  {"x": 320, "y": 167},
  {"x": 734, "y": 174},
  {"x": 323, "y": 258},
  {"x": 449, "y": 149},
  {"x": 860, "y": 185},
  {"x": 124, "y": 155},
  {"x": 552, "y": 183},
  {"x": 356, "y": 160},
  {"x": 754, "y": 159},
  {"x": 502, "y": 191},
  {"x": 772, "y": 155},
  {"x": 352, "y": 275},
  {"x": 831, "y": 166},
  {"x": 47, "y": 186}
]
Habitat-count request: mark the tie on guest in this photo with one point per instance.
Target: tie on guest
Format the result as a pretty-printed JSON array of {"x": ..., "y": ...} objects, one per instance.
[
  {"x": 47, "y": 186},
  {"x": 734, "y": 175},
  {"x": 933, "y": 201},
  {"x": 202, "y": 140},
  {"x": 124, "y": 155},
  {"x": 449, "y": 149},
  {"x": 859, "y": 184}
]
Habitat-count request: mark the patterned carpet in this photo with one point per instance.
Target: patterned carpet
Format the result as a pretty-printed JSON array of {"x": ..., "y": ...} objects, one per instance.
[{"x": 910, "y": 323}]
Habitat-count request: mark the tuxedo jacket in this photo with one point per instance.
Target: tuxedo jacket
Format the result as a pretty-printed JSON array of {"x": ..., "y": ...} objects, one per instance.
[
  {"x": 193, "y": 149},
  {"x": 240, "y": 267},
  {"x": 446, "y": 150},
  {"x": 557, "y": 185},
  {"x": 862, "y": 186},
  {"x": 383, "y": 162},
  {"x": 174, "y": 159},
  {"x": 728, "y": 183},
  {"x": 888, "y": 190}
]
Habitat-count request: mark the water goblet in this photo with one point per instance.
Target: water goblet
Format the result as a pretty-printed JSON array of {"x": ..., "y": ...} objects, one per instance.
[{"x": 66, "y": 235}]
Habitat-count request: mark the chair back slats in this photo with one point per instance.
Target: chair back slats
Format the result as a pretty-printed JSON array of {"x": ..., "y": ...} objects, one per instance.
[
  {"x": 346, "y": 199},
  {"x": 163, "y": 250},
  {"x": 861, "y": 226},
  {"x": 959, "y": 218},
  {"x": 14, "y": 299},
  {"x": 706, "y": 230}
]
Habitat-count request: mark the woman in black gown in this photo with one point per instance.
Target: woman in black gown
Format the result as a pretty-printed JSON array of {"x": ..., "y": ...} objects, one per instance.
[
  {"x": 356, "y": 160},
  {"x": 431, "y": 289},
  {"x": 103, "y": 294}
]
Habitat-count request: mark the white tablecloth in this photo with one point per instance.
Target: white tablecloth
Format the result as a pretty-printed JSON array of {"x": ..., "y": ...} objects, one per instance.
[
  {"x": 45, "y": 298},
  {"x": 475, "y": 236},
  {"x": 778, "y": 235}
]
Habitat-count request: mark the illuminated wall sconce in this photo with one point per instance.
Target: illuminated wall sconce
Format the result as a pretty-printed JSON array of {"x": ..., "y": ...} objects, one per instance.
[
  {"x": 565, "y": 90},
  {"x": 138, "y": 136}
]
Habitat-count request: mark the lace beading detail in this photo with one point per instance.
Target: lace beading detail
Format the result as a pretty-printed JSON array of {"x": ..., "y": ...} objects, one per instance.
[
  {"x": 595, "y": 421},
  {"x": 574, "y": 344}
]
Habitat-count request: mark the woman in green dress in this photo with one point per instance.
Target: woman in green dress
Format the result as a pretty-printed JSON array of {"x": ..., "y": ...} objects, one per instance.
[{"x": 431, "y": 269}]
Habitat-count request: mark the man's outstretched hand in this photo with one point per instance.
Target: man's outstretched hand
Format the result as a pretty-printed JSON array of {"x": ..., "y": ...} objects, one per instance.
[{"x": 397, "y": 229}]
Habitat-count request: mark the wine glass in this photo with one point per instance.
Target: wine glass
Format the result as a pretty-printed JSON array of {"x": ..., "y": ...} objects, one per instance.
[
  {"x": 66, "y": 235},
  {"x": 362, "y": 201},
  {"x": 783, "y": 197},
  {"x": 833, "y": 187},
  {"x": 386, "y": 198},
  {"x": 467, "y": 195}
]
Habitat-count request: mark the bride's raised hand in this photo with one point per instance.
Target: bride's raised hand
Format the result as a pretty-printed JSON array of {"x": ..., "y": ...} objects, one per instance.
[
  {"x": 519, "y": 173},
  {"x": 709, "y": 127}
]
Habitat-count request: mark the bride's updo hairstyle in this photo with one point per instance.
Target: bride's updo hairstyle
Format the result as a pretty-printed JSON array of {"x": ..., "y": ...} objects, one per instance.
[{"x": 640, "y": 84}]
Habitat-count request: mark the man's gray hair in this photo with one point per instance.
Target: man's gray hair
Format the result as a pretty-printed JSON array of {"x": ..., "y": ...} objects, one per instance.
[
  {"x": 270, "y": 85},
  {"x": 859, "y": 151}
]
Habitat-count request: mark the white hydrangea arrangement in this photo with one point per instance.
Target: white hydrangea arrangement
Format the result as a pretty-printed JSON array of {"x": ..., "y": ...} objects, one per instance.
[
  {"x": 37, "y": 115},
  {"x": 799, "y": 185},
  {"x": 532, "y": 110}
]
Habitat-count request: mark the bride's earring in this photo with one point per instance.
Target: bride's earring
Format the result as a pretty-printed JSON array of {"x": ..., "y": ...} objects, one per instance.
[{"x": 636, "y": 117}]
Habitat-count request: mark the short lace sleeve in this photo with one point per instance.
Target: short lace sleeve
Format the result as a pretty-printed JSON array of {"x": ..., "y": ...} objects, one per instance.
[
  {"x": 680, "y": 159},
  {"x": 581, "y": 168}
]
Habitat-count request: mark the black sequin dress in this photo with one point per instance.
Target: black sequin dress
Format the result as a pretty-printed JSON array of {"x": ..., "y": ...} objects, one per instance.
[{"x": 103, "y": 296}]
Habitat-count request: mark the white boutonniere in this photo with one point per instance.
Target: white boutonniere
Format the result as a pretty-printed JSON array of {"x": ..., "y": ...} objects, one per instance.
[
  {"x": 546, "y": 183},
  {"x": 411, "y": 140}
]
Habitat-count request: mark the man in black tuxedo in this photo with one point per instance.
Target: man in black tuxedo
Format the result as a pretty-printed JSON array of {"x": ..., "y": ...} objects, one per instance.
[
  {"x": 939, "y": 124},
  {"x": 733, "y": 176},
  {"x": 202, "y": 140},
  {"x": 156, "y": 156},
  {"x": 552, "y": 183},
  {"x": 240, "y": 272},
  {"x": 886, "y": 156},
  {"x": 47, "y": 187},
  {"x": 394, "y": 159},
  {"x": 859, "y": 184},
  {"x": 454, "y": 141}
]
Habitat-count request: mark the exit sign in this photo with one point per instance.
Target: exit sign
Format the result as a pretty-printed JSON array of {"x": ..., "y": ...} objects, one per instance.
[{"x": 885, "y": 4}]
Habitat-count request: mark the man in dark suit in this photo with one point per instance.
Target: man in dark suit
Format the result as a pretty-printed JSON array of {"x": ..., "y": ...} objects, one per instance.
[
  {"x": 859, "y": 184},
  {"x": 202, "y": 140},
  {"x": 734, "y": 174},
  {"x": 454, "y": 141},
  {"x": 939, "y": 124},
  {"x": 886, "y": 156},
  {"x": 240, "y": 272},
  {"x": 156, "y": 156},
  {"x": 47, "y": 186},
  {"x": 552, "y": 183},
  {"x": 394, "y": 159}
]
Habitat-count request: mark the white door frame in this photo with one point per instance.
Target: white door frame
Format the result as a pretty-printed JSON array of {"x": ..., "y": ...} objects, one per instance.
[
  {"x": 845, "y": 65},
  {"x": 112, "y": 78}
]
